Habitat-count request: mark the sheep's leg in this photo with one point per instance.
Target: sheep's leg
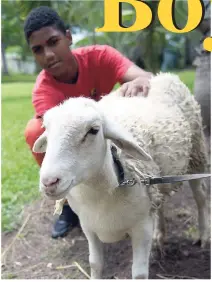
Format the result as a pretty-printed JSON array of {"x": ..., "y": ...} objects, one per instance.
[
  {"x": 199, "y": 192},
  {"x": 159, "y": 230},
  {"x": 141, "y": 236},
  {"x": 96, "y": 258}
]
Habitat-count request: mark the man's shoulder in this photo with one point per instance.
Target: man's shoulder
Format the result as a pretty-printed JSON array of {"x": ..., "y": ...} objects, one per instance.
[
  {"x": 93, "y": 49},
  {"x": 43, "y": 80}
]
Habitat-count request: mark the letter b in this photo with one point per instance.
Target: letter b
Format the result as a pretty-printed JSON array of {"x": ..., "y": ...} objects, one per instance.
[{"x": 112, "y": 16}]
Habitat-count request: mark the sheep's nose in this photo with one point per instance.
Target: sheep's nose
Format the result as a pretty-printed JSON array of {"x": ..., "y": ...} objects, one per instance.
[
  {"x": 49, "y": 181},
  {"x": 49, "y": 184}
]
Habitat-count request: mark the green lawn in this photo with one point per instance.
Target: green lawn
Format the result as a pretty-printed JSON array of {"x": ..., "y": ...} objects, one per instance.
[
  {"x": 18, "y": 78},
  {"x": 187, "y": 77},
  {"x": 19, "y": 170}
]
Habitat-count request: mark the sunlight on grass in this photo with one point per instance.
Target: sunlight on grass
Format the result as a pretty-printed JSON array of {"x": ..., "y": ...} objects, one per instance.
[
  {"x": 19, "y": 171},
  {"x": 18, "y": 78},
  {"x": 188, "y": 77}
]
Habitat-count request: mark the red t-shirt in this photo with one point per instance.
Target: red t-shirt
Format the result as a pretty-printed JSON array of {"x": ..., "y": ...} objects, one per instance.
[{"x": 100, "y": 68}]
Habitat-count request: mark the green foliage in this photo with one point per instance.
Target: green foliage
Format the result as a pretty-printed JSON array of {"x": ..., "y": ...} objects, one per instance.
[
  {"x": 146, "y": 45},
  {"x": 19, "y": 170},
  {"x": 12, "y": 27},
  {"x": 14, "y": 49},
  {"x": 10, "y": 23}
]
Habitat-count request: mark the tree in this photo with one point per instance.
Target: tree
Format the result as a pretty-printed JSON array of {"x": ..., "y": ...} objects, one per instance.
[
  {"x": 12, "y": 31},
  {"x": 145, "y": 46},
  {"x": 9, "y": 25},
  {"x": 4, "y": 61}
]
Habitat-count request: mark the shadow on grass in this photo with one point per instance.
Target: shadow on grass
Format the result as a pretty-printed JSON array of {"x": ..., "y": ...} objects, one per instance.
[
  {"x": 15, "y": 99},
  {"x": 18, "y": 78}
]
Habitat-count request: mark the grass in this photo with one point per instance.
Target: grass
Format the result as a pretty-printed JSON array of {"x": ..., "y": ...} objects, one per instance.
[
  {"x": 18, "y": 78},
  {"x": 19, "y": 170},
  {"x": 187, "y": 76}
]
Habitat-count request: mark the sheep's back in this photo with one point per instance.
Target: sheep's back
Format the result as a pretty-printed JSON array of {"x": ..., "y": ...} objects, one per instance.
[{"x": 160, "y": 129}]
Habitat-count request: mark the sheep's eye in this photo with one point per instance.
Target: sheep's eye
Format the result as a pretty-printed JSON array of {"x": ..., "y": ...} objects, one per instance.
[{"x": 93, "y": 131}]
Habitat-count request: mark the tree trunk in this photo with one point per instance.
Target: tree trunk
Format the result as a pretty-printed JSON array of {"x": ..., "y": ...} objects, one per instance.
[
  {"x": 4, "y": 60},
  {"x": 188, "y": 59},
  {"x": 93, "y": 37},
  {"x": 149, "y": 55}
]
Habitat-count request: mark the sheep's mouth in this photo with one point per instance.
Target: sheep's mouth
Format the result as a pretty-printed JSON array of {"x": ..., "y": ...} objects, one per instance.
[{"x": 60, "y": 195}]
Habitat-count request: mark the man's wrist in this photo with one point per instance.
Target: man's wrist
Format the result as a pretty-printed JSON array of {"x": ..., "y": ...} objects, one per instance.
[{"x": 146, "y": 75}]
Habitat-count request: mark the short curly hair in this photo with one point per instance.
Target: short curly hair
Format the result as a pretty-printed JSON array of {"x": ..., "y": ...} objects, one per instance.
[{"x": 41, "y": 17}]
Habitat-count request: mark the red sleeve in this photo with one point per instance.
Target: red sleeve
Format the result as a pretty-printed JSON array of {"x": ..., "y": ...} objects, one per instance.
[
  {"x": 113, "y": 64},
  {"x": 45, "y": 99}
]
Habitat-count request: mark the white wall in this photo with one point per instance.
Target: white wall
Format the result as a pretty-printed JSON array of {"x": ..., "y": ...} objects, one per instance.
[{"x": 15, "y": 65}]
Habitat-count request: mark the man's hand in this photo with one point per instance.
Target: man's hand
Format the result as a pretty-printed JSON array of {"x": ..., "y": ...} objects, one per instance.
[
  {"x": 135, "y": 82},
  {"x": 137, "y": 87}
]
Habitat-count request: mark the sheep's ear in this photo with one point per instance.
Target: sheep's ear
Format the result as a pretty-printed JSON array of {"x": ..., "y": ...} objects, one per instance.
[
  {"x": 40, "y": 144},
  {"x": 124, "y": 140}
]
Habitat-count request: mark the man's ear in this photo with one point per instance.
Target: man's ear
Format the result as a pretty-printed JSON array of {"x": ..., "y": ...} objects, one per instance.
[{"x": 69, "y": 36}]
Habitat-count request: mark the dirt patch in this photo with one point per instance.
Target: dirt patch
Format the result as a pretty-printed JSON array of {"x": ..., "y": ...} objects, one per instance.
[{"x": 34, "y": 255}]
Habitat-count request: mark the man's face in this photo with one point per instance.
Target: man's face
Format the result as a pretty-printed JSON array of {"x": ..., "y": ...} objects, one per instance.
[{"x": 50, "y": 48}]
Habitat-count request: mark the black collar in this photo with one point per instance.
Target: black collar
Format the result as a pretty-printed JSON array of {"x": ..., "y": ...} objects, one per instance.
[
  {"x": 118, "y": 164},
  {"x": 151, "y": 180}
]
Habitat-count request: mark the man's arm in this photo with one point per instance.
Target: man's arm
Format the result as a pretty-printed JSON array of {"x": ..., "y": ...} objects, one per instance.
[
  {"x": 118, "y": 68},
  {"x": 135, "y": 81}
]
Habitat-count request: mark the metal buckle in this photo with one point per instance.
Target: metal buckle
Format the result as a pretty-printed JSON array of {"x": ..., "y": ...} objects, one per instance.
[{"x": 146, "y": 181}]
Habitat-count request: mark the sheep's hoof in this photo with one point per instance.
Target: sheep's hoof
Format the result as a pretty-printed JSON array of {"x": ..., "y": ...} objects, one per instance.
[
  {"x": 94, "y": 277},
  {"x": 141, "y": 276},
  {"x": 200, "y": 242},
  {"x": 197, "y": 242}
]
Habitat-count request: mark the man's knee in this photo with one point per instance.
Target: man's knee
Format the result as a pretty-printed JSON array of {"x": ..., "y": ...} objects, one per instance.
[{"x": 33, "y": 130}]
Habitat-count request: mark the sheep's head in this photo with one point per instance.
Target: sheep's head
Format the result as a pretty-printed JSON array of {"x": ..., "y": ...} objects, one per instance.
[{"x": 75, "y": 142}]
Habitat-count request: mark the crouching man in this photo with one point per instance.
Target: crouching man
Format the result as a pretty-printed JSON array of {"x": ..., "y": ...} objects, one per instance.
[{"x": 89, "y": 71}]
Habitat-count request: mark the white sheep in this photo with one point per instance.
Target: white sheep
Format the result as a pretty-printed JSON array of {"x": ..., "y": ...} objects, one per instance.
[{"x": 79, "y": 165}]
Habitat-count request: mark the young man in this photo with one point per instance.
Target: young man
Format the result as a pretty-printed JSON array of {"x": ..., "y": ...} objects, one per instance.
[{"x": 90, "y": 71}]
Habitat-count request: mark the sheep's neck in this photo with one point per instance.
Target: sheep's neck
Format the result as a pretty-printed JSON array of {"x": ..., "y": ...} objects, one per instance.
[{"x": 106, "y": 179}]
